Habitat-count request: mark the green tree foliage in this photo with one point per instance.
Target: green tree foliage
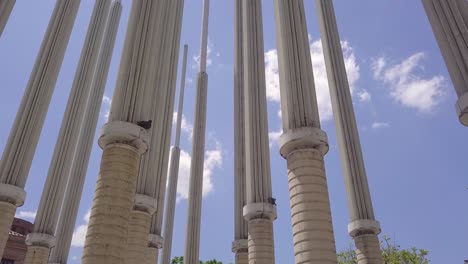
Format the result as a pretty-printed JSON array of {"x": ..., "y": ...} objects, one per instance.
[
  {"x": 180, "y": 260},
  {"x": 391, "y": 253}
]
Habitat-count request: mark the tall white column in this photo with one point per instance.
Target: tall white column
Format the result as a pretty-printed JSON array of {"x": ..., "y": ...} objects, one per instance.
[
  {"x": 239, "y": 245},
  {"x": 24, "y": 135},
  {"x": 173, "y": 173},
  {"x": 71, "y": 203},
  {"x": 303, "y": 144},
  {"x": 260, "y": 208},
  {"x": 6, "y": 6},
  {"x": 363, "y": 227},
  {"x": 449, "y": 20},
  {"x": 59, "y": 169},
  {"x": 192, "y": 242}
]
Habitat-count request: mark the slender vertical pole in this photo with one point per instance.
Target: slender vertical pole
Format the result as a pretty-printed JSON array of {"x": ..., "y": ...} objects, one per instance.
[
  {"x": 192, "y": 243},
  {"x": 449, "y": 21},
  {"x": 363, "y": 227},
  {"x": 24, "y": 136},
  {"x": 239, "y": 245},
  {"x": 6, "y": 6},
  {"x": 174, "y": 172},
  {"x": 71, "y": 203},
  {"x": 260, "y": 208}
]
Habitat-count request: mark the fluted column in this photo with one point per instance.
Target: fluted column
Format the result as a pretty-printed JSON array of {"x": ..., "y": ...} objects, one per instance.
[
  {"x": 71, "y": 203},
  {"x": 124, "y": 139},
  {"x": 363, "y": 227},
  {"x": 192, "y": 242},
  {"x": 24, "y": 135},
  {"x": 260, "y": 208},
  {"x": 173, "y": 173},
  {"x": 239, "y": 245},
  {"x": 303, "y": 144},
  {"x": 6, "y": 6},
  {"x": 449, "y": 21}
]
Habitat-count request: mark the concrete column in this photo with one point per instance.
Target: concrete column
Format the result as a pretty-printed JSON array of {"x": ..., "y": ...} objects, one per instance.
[
  {"x": 24, "y": 135},
  {"x": 174, "y": 172},
  {"x": 363, "y": 227},
  {"x": 52, "y": 196},
  {"x": 239, "y": 245},
  {"x": 260, "y": 208},
  {"x": 5, "y": 10},
  {"x": 192, "y": 242},
  {"x": 303, "y": 144},
  {"x": 71, "y": 203},
  {"x": 123, "y": 141},
  {"x": 449, "y": 21}
]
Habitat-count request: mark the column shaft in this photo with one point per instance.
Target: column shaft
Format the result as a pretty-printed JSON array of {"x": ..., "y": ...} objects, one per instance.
[
  {"x": 239, "y": 246},
  {"x": 260, "y": 208},
  {"x": 303, "y": 143},
  {"x": 24, "y": 135},
  {"x": 449, "y": 21},
  {"x": 6, "y": 6},
  {"x": 357, "y": 188},
  {"x": 71, "y": 203}
]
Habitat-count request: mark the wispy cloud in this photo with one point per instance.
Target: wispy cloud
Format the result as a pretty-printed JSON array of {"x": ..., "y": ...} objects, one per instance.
[
  {"x": 209, "y": 54},
  {"x": 26, "y": 215},
  {"x": 186, "y": 126},
  {"x": 79, "y": 235},
  {"x": 320, "y": 76},
  {"x": 106, "y": 104},
  {"x": 377, "y": 125},
  {"x": 407, "y": 85}
]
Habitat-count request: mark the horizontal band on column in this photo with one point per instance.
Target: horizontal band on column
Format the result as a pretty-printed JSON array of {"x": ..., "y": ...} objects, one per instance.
[
  {"x": 155, "y": 241},
  {"x": 304, "y": 137},
  {"x": 259, "y": 210},
  {"x": 240, "y": 245},
  {"x": 39, "y": 239},
  {"x": 124, "y": 133},
  {"x": 363, "y": 226},
  {"x": 462, "y": 109},
  {"x": 146, "y": 203},
  {"x": 12, "y": 194}
]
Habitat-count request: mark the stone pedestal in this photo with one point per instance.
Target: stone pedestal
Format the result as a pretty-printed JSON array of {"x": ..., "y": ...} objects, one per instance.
[
  {"x": 137, "y": 242},
  {"x": 241, "y": 250},
  {"x": 7, "y": 211},
  {"x": 261, "y": 242},
  {"x": 5, "y": 10}
]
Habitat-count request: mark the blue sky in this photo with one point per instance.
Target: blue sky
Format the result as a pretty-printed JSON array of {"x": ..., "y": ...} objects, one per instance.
[{"x": 413, "y": 144}]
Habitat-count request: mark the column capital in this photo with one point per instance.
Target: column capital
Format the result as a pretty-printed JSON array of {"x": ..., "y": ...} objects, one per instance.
[
  {"x": 240, "y": 245},
  {"x": 146, "y": 203},
  {"x": 39, "y": 239},
  {"x": 155, "y": 241},
  {"x": 303, "y": 137},
  {"x": 260, "y": 210},
  {"x": 12, "y": 194},
  {"x": 363, "y": 226},
  {"x": 462, "y": 108},
  {"x": 126, "y": 133}
]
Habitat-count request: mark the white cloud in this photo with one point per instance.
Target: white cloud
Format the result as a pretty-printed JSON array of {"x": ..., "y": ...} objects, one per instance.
[
  {"x": 209, "y": 53},
  {"x": 106, "y": 104},
  {"x": 320, "y": 75},
  {"x": 274, "y": 137},
  {"x": 364, "y": 96},
  {"x": 186, "y": 126},
  {"x": 27, "y": 215},
  {"x": 377, "y": 125},
  {"x": 213, "y": 161},
  {"x": 79, "y": 235},
  {"x": 406, "y": 84}
]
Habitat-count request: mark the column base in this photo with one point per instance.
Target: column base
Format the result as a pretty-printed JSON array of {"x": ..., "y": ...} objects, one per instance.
[
  {"x": 241, "y": 245},
  {"x": 7, "y": 212},
  {"x": 260, "y": 210},
  {"x": 37, "y": 255},
  {"x": 462, "y": 109},
  {"x": 363, "y": 226},
  {"x": 126, "y": 133},
  {"x": 137, "y": 241},
  {"x": 304, "y": 137},
  {"x": 261, "y": 242}
]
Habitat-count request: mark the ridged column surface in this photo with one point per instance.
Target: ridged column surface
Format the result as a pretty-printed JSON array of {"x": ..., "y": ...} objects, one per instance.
[
  {"x": 64, "y": 152},
  {"x": 260, "y": 208},
  {"x": 24, "y": 135},
  {"x": 368, "y": 249},
  {"x": 37, "y": 255},
  {"x": 310, "y": 208},
  {"x": 6, "y": 6},
  {"x": 137, "y": 243},
  {"x": 303, "y": 143},
  {"x": 7, "y": 212},
  {"x": 359, "y": 199},
  {"x": 261, "y": 242},
  {"x": 242, "y": 258},
  {"x": 449, "y": 21},
  {"x": 106, "y": 239},
  {"x": 71, "y": 203}
]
